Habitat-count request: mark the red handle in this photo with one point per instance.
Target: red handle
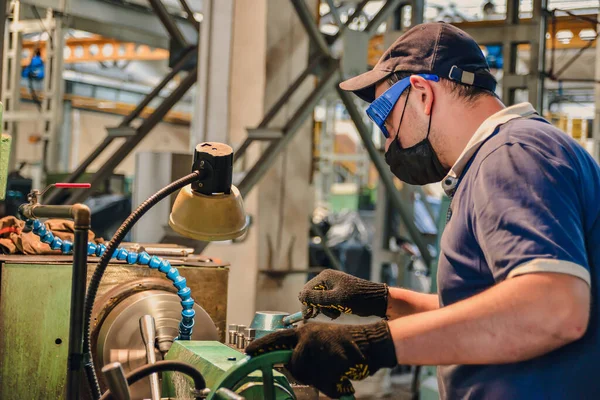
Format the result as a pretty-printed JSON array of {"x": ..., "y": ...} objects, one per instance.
[{"x": 73, "y": 185}]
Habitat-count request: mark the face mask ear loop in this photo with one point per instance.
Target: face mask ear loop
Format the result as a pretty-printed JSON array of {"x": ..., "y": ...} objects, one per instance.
[
  {"x": 429, "y": 125},
  {"x": 402, "y": 116}
]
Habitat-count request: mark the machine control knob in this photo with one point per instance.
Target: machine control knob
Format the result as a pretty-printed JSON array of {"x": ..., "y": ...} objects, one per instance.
[
  {"x": 249, "y": 336},
  {"x": 240, "y": 336},
  {"x": 232, "y": 331}
]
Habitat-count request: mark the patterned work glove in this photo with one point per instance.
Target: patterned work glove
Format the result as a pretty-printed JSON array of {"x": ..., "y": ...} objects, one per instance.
[
  {"x": 333, "y": 293},
  {"x": 329, "y": 356}
]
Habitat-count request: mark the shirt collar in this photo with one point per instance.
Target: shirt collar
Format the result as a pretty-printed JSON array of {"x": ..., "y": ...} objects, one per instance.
[{"x": 485, "y": 130}]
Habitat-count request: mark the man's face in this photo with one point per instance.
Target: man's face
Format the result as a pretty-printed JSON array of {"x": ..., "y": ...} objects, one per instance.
[{"x": 413, "y": 128}]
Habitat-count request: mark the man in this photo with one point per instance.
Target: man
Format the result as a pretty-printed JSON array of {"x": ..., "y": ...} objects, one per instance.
[{"x": 515, "y": 316}]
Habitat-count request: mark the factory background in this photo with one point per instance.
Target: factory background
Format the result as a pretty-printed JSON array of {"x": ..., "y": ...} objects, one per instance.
[{"x": 119, "y": 93}]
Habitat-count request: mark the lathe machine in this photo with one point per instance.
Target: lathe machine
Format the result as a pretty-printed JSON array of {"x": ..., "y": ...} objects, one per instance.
[{"x": 34, "y": 315}]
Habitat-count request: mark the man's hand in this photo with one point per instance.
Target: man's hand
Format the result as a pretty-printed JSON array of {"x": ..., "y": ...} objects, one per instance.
[
  {"x": 334, "y": 292},
  {"x": 330, "y": 356}
]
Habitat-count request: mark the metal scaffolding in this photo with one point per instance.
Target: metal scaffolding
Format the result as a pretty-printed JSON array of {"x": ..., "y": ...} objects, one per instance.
[
  {"x": 50, "y": 98},
  {"x": 324, "y": 66},
  {"x": 513, "y": 32},
  {"x": 129, "y": 135}
]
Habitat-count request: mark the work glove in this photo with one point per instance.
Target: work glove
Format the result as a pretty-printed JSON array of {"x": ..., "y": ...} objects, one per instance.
[
  {"x": 334, "y": 292},
  {"x": 329, "y": 356}
]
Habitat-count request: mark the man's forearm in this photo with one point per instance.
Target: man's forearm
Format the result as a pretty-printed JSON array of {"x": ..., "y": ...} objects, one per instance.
[
  {"x": 403, "y": 302},
  {"x": 516, "y": 320}
]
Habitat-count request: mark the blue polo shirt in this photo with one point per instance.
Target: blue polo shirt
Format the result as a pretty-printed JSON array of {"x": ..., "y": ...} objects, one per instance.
[{"x": 525, "y": 199}]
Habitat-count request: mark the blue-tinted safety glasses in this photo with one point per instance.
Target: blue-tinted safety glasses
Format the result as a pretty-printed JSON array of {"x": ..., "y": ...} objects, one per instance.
[{"x": 381, "y": 107}]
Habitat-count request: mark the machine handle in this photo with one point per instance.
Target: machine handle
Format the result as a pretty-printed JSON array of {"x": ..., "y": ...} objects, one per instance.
[
  {"x": 148, "y": 331},
  {"x": 248, "y": 365},
  {"x": 293, "y": 318},
  {"x": 73, "y": 185},
  {"x": 115, "y": 378}
]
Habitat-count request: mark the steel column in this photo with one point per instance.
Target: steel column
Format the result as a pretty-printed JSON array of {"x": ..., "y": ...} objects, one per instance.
[
  {"x": 356, "y": 13},
  {"x": 164, "y": 16},
  {"x": 537, "y": 56},
  {"x": 417, "y": 12},
  {"x": 307, "y": 19},
  {"x": 596, "y": 125},
  {"x": 384, "y": 174},
  {"x": 190, "y": 14},
  {"x": 2, "y": 24},
  {"x": 388, "y": 8}
]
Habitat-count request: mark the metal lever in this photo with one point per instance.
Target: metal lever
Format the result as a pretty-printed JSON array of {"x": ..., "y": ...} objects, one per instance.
[
  {"x": 115, "y": 378},
  {"x": 293, "y": 318},
  {"x": 148, "y": 330}
]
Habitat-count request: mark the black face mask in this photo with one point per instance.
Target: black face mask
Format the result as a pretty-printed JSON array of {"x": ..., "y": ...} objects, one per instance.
[{"x": 418, "y": 164}]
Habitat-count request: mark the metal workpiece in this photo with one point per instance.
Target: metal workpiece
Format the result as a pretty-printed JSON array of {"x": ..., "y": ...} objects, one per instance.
[
  {"x": 117, "y": 383},
  {"x": 148, "y": 333},
  {"x": 120, "y": 329}
]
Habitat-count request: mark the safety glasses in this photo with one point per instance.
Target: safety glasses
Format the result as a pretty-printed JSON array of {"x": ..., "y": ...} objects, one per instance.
[{"x": 381, "y": 107}]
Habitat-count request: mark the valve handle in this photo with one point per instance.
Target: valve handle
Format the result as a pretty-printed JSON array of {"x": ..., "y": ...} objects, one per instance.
[
  {"x": 35, "y": 194},
  {"x": 248, "y": 365},
  {"x": 72, "y": 185}
]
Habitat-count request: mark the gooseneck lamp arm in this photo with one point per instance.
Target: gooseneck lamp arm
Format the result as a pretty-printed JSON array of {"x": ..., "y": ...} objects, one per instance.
[
  {"x": 207, "y": 207},
  {"x": 103, "y": 263}
]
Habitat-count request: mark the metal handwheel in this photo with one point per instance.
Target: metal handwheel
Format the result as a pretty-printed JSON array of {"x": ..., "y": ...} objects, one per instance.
[{"x": 248, "y": 365}]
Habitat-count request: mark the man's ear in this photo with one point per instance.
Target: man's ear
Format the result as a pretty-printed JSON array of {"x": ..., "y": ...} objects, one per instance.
[{"x": 424, "y": 92}]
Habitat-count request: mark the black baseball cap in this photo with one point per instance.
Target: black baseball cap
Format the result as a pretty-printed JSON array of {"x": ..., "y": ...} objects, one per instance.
[{"x": 432, "y": 48}]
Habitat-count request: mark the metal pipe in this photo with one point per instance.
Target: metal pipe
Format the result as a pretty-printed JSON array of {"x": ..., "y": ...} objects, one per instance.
[
  {"x": 119, "y": 155},
  {"x": 334, "y": 13},
  {"x": 3, "y": 7},
  {"x": 382, "y": 15},
  {"x": 356, "y": 13},
  {"x": 56, "y": 194},
  {"x": 170, "y": 25},
  {"x": 385, "y": 175},
  {"x": 190, "y": 14},
  {"x": 78, "y": 281},
  {"x": 81, "y": 216},
  {"x": 269, "y": 156},
  {"x": 308, "y": 20}
]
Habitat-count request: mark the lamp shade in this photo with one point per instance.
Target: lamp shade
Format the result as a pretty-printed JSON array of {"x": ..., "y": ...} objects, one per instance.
[{"x": 209, "y": 217}]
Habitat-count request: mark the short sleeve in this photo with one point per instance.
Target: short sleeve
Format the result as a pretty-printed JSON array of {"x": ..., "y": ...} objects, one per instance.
[{"x": 527, "y": 215}]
